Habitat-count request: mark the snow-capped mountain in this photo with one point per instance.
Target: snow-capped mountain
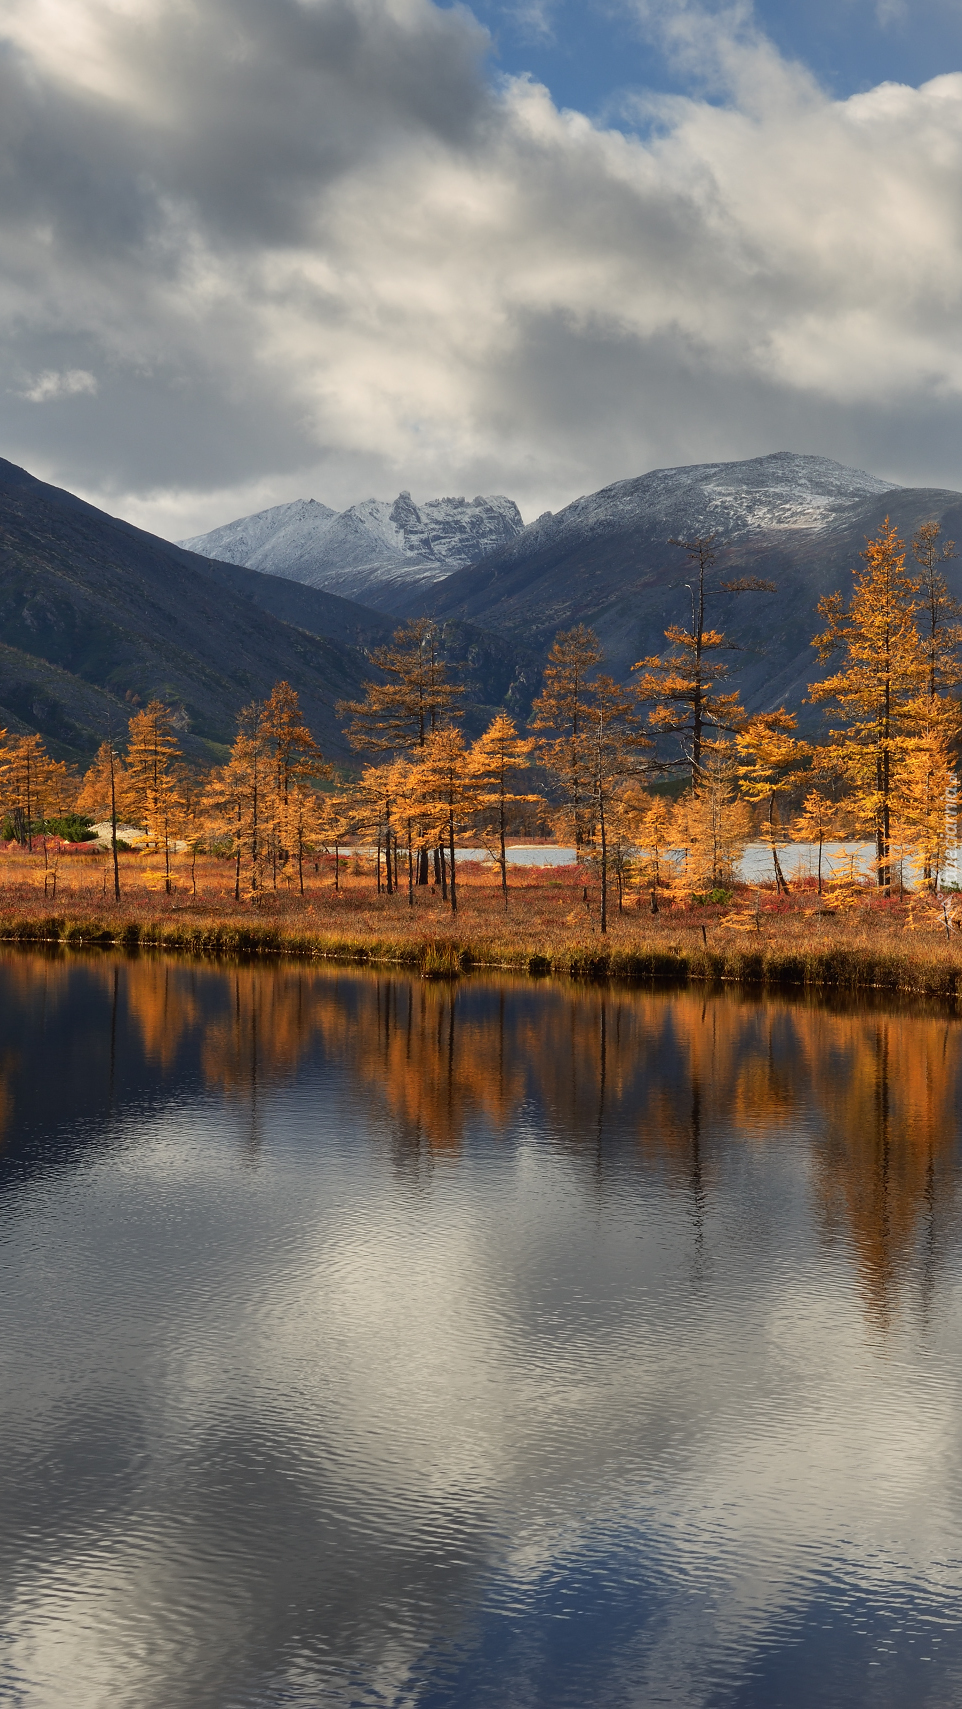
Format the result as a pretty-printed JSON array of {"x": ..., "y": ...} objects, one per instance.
[
  {"x": 606, "y": 560},
  {"x": 781, "y": 491},
  {"x": 372, "y": 552}
]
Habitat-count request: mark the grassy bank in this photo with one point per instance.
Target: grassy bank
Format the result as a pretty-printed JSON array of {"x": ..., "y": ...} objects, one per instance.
[
  {"x": 846, "y": 959},
  {"x": 551, "y": 926}
]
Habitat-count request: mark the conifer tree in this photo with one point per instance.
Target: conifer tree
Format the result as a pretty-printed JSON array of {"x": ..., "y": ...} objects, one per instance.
[
  {"x": 154, "y": 777},
  {"x": 238, "y": 798},
  {"x": 649, "y": 823},
  {"x": 938, "y": 712},
  {"x": 103, "y": 788},
  {"x": 614, "y": 753},
  {"x": 772, "y": 760},
  {"x": 28, "y": 777},
  {"x": 398, "y": 716},
  {"x": 710, "y": 825},
  {"x": 687, "y": 685},
  {"x": 560, "y": 710},
  {"x": 495, "y": 757},
  {"x": 446, "y": 790},
  {"x": 295, "y": 757},
  {"x": 336, "y": 821},
  {"x": 876, "y": 688},
  {"x": 817, "y": 822}
]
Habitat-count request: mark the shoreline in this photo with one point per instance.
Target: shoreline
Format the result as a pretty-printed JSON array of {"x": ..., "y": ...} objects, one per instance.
[{"x": 930, "y": 971}]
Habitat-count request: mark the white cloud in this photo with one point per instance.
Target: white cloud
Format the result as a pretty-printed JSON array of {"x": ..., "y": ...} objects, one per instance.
[
  {"x": 308, "y": 249},
  {"x": 73, "y": 382}
]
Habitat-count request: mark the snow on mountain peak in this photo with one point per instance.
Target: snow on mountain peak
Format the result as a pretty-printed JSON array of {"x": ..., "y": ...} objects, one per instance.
[
  {"x": 782, "y": 490},
  {"x": 351, "y": 552}
]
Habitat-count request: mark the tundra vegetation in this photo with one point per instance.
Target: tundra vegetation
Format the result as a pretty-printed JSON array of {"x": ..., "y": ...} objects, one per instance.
[{"x": 658, "y": 783}]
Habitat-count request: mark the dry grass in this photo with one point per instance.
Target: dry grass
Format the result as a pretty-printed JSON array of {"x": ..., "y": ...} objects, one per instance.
[{"x": 549, "y": 926}]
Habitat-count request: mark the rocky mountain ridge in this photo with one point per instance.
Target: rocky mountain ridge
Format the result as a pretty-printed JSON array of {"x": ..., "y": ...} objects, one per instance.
[{"x": 373, "y": 552}]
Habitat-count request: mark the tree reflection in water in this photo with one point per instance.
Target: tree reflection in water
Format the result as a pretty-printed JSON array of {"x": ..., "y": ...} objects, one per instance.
[{"x": 654, "y": 1079}]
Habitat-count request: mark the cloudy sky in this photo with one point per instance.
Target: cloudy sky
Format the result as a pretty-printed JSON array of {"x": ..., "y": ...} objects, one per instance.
[{"x": 256, "y": 250}]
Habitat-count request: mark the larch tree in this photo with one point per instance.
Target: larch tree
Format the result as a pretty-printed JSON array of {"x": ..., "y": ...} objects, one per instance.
[
  {"x": 560, "y": 716},
  {"x": 102, "y": 789},
  {"x": 496, "y": 758},
  {"x": 648, "y": 821},
  {"x": 444, "y": 785},
  {"x": 336, "y": 821},
  {"x": 711, "y": 825},
  {"x": 772, "y": 760},
  {"x": 686, "y": 687},
  {"x": 295, "y": 757},
  {"x": 375, "y": 810},
  {"x": 882, "y": 671},
  {"x": 615, "y": 753},
  {"x": 237, "y": 800},
  {"x": 817, "y": 822},
  {"x": 397, "y": 716},
  {"x": 153, "y": 771},
  {"x": 938, "y": 713},
  {"x": 24, "y": 772}
]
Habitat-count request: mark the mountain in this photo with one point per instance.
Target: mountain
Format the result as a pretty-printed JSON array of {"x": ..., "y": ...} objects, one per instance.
[
  {"x": 606, "y": 561},
  {"x": 374, "y": 552},
  {"x": 97, "y": 617}
]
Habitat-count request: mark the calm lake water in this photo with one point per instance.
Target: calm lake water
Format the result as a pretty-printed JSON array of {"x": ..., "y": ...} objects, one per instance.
[{"x": 367, "y": 1341}]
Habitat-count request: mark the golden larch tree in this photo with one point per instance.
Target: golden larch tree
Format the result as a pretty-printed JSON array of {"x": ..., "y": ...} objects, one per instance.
[
  {"x": 875, "y": 690},
  {"x": 686, "y": 687},
  {"x": 496, "y": 758},
  {"x": 559, "y": 714}
]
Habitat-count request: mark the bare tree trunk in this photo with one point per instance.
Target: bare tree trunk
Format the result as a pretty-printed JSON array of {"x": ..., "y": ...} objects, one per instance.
[
  {"x": 113, "y": 825},
  {"x": 504, "y": 859},
  {"x": 444, "y": 872},
  {"x": 454, "y": 889},
  {"x": 604, "y": 862}
]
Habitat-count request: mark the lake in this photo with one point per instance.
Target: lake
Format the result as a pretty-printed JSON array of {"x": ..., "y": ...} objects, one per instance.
[{"x": 373, "y": 1341}]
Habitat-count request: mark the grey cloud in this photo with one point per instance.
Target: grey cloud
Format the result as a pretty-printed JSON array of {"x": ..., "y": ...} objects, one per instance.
[{"x": 306, "y": 250}]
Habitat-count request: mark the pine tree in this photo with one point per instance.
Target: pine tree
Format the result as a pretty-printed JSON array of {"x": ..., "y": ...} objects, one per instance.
[
  {"x": 495, "y": 757},
  {"x": 876, "y": 689},
  {"x": 687, "y": 685}
]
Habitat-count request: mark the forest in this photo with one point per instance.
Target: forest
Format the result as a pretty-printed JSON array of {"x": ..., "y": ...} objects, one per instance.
[{"x": 658, "y": 783}]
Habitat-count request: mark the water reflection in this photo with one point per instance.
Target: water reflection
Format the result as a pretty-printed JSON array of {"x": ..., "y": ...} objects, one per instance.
[{"x": 369, "y": 1340}]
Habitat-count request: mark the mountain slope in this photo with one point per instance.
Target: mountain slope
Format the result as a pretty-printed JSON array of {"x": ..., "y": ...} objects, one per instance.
[
  {"x": 374, "y": 551},
  {"x": 605, "y": 561},
  {"x": 117, "y": 610}
]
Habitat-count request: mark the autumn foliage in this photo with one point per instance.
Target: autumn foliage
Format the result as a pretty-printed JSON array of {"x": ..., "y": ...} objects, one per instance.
[{"x": 658, "y": 783}]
